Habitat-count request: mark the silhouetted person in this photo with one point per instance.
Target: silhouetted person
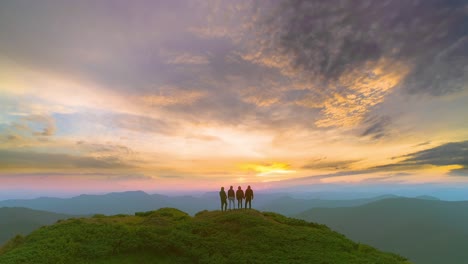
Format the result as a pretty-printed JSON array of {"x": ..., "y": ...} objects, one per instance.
[
  {"x": 239, "y": 196},
  {"x": 222, "y": 195},
  {"x": 231, "y": 197},
  {"x": 248, "y": 197}
]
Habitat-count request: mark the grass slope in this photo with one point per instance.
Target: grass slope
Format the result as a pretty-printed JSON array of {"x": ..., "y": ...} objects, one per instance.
[
  {"x": 172, "y": 236},
  {"x": 425, "y": 231},
  {"x": 14, "y": 221}
]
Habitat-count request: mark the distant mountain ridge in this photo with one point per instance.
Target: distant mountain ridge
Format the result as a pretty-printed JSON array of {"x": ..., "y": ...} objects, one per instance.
[
  {"x": 16, "y": 220},
  {"x": 134, "y": 201},
  {"x": 427, "y": 231},
  {"x": 110, "y": 203},
  {"x": 291, "y": 206}
]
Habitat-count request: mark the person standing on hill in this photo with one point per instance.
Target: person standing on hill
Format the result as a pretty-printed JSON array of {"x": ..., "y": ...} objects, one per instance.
[
  {"x": 222, "y": 195},
  {"x": 231, "y": 197},
  {"x": 239, "y": 196},
  {"x": 249, "y": 195}
]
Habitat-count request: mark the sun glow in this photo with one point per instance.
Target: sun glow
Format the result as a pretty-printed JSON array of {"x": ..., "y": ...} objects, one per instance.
[{"x": 272, "y": 169}]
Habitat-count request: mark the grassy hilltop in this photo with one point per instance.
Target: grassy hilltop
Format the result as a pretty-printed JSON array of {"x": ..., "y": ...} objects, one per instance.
[{"x": 172, "y": 236}]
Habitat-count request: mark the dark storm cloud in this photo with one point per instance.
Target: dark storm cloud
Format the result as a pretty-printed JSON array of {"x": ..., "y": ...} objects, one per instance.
[{"x": 326, "y": 38}]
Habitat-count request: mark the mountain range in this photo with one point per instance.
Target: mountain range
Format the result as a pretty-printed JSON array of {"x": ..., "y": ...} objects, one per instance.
[
  {"x": 14, "y": 221},
  {"x": 425, "y": 231}
]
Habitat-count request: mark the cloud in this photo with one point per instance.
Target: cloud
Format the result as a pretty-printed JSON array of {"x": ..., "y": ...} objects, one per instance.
[
  {"x": 423, "y": 144},
  {"x": 28, "y": 130},
  {"x": 186, "y": 58},
  {"x": 47, "y": 122},
  {"x": 141, "y": 123},
  {"x": 376, "y": 127},
  {"x": 10, "y": 159},
  {"x": 353, "y": 55},
  {"x": 83, "y": 175},
  {"x": 323, "y": 163},
  {"x": 328, "y": 39},
  {"x": 454, "y": 153},
  {"x": 171, "y": 96},
  {"x": 107, "y": 151},
  {"x": 262, "y": 79}
]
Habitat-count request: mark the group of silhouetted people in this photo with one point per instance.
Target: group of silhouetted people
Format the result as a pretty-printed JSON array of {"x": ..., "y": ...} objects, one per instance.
[{"x": 239, "y": 195}]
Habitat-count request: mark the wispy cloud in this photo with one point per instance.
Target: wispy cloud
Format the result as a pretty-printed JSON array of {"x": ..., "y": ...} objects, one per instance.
[
  {"x": 325, "y": 164},
  {"x": 18, "y": 160},
  {"x": 186, "y": 58}
]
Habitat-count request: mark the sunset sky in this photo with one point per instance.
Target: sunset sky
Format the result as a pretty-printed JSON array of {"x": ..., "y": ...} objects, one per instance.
[{"x": 100, "y": 96}]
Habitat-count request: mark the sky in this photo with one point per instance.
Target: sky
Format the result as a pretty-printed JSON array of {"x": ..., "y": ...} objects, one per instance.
[{"x": 100, "y": 96}]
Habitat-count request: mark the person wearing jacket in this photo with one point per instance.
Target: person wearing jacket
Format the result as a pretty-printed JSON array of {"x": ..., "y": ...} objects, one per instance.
[
  {"x": 239, "y": 196},
  {"x": 231, "y": 198},
  {"x": 222, "y": 195},
  {"x": 249, "y": 195}
]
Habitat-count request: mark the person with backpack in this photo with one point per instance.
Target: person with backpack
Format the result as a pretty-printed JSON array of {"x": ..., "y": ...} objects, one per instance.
[
  {"x": 222, "y": 195},
  {"x": 249, "y": 195},
  {"x": 231, "y": 197},
  {"x": 239, "y": 196}
]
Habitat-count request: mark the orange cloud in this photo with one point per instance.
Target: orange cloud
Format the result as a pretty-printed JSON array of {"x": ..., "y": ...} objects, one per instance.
[
  {"x": 360, "y": 90},
  {"x": 169, "y": 95}
]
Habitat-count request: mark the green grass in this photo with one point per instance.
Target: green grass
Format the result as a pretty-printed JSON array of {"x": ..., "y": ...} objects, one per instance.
[{"x": 172, "y": 236}]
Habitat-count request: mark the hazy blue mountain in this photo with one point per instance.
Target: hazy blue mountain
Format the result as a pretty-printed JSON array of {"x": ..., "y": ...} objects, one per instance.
[
  {"x": 134, "y": 201},
  {"x": 426, "y": 197},
  {"x": 290, "y": 206},
  {"x": 425, "y": 231},
  {"x": 127, "y": 203},
  {"x": 15, "y": 220},
  {"x": 111, "y": 203}
]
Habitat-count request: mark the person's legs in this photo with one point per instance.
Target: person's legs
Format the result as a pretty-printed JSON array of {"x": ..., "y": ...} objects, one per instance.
[
  {"x": 232, "y": 204},
  {"x": 224, "y": 204},
  {"x": 249, "y": 201}
]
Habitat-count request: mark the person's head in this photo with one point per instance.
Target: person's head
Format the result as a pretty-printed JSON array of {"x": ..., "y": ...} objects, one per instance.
[
  {"x": 248, "y": 187},
  {"x": 239, "y": 188},
  {"x": 222, "y": 188},
  {"x": 231, "y": 187}
]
